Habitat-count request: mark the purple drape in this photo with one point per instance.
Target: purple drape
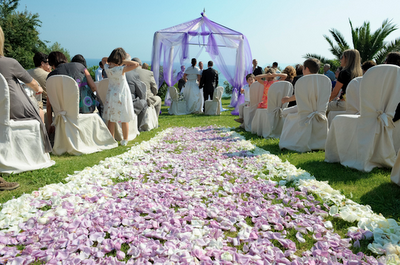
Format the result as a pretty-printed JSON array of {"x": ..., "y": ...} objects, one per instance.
[
  {"x": 229, "y": 50},
  {"x": 238, "y": 103},
  {"x": 234, "y": 97}
]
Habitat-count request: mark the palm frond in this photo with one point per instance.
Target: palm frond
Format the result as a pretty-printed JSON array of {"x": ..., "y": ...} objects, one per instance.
[{"x": 393, "y": 46}]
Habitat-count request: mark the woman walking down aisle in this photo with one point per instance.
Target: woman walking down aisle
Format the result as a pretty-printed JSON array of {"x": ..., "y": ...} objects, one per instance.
[
  {"x": 351, "y": 63},
  {"x": 118, "y": 106},
  {"x": 192, "y": 92}
]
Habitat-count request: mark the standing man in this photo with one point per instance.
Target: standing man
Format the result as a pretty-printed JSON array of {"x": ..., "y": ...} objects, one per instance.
[
  {"x": 99, "y": 72},
  {"x": 147, "y": 77},
  {"x": 209, "y": 81},
  {"x": 257, "y": 70},
  {"x": 275, "y": 67},
  {"x": 201, "y": 67}
]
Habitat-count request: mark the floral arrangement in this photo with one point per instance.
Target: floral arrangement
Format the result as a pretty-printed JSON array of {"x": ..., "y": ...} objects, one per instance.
[
  {"x": 181, "y": 97},
  {"x": 191, "y": 196}
]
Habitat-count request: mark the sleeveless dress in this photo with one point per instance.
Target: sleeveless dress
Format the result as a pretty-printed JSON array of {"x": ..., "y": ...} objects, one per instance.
[
  {"x": 118, "y": 106},
  {"x": 192, "y": 92},
  {"x": 264, "y": 102}
]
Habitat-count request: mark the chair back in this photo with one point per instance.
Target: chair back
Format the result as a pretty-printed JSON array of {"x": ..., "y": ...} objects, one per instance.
[
  {"x": 312, "y": 95},
  {"x": 218, "y": 92},
  {"x": 4, "y": 101},
  {"x": 276, "y": 92},
  {"x": 102, "y": 89},
  {"x": 63, "y": 92},
  {"x": 380, "y": 92},
  {"x": 353, "y": 96},
  {"x": 173, "y": 93},
  {"x": 256, "y": 92}
]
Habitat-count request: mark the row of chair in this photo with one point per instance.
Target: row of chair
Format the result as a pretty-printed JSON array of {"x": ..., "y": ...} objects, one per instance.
[
  {"x": 362, "y": 137},
  {"x": 211, "y": 107},
  {"x": 21, "y": 143}
]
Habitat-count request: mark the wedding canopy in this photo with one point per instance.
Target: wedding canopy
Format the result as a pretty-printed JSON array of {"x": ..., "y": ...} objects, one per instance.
[{"x": 229, "y": 50}]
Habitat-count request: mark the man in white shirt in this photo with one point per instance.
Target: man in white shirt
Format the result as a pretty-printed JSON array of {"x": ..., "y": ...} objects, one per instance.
[
  {"x": 246, "y": 91},
  {"x": 99, "y": 71}
]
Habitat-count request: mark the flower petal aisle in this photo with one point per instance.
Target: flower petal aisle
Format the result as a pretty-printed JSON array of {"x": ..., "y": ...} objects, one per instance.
[{"x": 190, "y": 196}]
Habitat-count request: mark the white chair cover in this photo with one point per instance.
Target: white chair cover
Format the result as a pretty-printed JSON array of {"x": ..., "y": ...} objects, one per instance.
[
  {"x": 102, "y": 88},
  {"x": 177, "y": 107},
  {"x": 21, "y": 142},
  {"x": 395, "y": 176},
  {"x": 268, "y": 122},
  {"x": 365, "y": 141},
  {"x": 352, "y": 100},
  {"x": 307, "y": 129},
  {"x": 256, "y": 93},
  {"x": 75, "y": 133},
  {"x": 396, "y": 136},
  {"x": 213, "y": 107},
  {"x": 150, "y": 119}
]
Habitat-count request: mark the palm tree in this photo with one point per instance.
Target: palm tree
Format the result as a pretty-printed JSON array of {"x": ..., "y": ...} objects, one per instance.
[{"x": 372, "y": 46}]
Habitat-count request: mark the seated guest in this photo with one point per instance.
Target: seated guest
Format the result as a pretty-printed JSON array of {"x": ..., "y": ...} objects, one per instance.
[
  {"x": 40, "y": 72},
  {"x": 138, "y": 92},
  {"x": 246, "y": 91},
  {"x": 366, "y": 65},
  {"x": 275, "y": 67},
  {"x": 21, "y": 107},
  {"x": 291, "y": 73},
  {"x": 146, "y": 66},
  {"x": 270, "y": 76},
  {"x": 328, "y": 72},
  {"x": 299, "y": 74},
  {"x": 394, "y": 58},
  {"x": 79, "y": 73},
  {"x": 310, "y": 66},
  {"x": 147, "y": 77},
  {"x": 336, "y": 76},
  {"x": 89, "y": 101},
  {"x": 351, "y": 63}
]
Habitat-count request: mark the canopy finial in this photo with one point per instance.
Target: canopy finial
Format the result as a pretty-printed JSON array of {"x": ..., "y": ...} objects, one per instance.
[{"x": 204, "y": 12}]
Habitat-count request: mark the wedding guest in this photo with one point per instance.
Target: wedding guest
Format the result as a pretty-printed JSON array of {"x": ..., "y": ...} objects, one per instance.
[
  {"x": 394, "y": 58},
  {"x": 86, "y": 93},
  {"x": 147, "y": 77},
  {"x": 21, "y": 107},
  {"x": 257, "y": 70},
  {"x": 58, "y": 61},
  {"x": 366, "y": 65},
  {"x": 291, "y": 73},
  {"x": 250, "y": 78},
  {"x": 40, "y": 72},
  {"x": 269, "y": 76},
  {"x": 275, "y": 67},
  {"x": 351, "y": 63},
  {"x": 146, "y": 66},
  {"x": 299, "y": 74},
  {"x": 98, "y": 73},
  {"x": 328, "y": 72},
  {"x": 310, "y": 66}
]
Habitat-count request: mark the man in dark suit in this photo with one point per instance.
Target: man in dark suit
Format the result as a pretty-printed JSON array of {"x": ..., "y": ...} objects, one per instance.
[
  {"x": 257, "y": 70},
  {"x": 209, "y": 81}
]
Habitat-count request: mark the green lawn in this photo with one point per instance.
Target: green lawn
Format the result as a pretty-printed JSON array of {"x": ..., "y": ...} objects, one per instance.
[{"x": 372, "y": 188}]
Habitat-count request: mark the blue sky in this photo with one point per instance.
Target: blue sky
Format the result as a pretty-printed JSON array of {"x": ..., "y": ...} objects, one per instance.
[{"x": 282, "y": 31}]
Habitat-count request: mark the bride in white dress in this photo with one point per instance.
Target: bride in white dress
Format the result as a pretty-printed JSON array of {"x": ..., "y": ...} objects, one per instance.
[{"x": 192, "y": 92}]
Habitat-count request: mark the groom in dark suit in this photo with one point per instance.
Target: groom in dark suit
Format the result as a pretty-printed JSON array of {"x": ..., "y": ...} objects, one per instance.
[{"x": 209, "y": 81}]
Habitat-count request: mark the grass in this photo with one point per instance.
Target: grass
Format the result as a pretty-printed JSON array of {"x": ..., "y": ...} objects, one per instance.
[{"x": 373, "y": 188}]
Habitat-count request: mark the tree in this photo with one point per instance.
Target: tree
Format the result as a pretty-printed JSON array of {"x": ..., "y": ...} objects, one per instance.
[
  {"x": 371, "y": 45},
  {"x": 20, "y": 33}
]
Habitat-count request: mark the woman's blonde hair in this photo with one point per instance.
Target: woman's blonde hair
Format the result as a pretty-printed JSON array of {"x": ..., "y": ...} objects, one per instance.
[
  {"x": 1, "y": 42},
  {"x": 353, "y": 63},
  {"x": 269, "y": 70},
  {"x": 290, "y": 71}
]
